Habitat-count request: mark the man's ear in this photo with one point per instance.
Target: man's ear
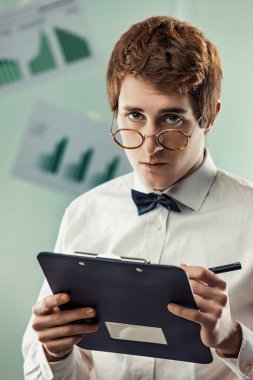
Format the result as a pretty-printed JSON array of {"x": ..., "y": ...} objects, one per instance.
[{"x": 210, "y": 125}]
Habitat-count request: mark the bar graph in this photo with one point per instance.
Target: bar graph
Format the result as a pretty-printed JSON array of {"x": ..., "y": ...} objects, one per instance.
[
  {"x": 109, "y": 173},
  {"x": 10, "y": 71},
  {"x": 67, "y": 151},
  {"x": 52, "y": 162},
  {"x": 45, "y": 60},
  {"x": 72, "y": 46},
  {"x": 43, "y": 41},
  {"x": 77, "y": 172}
]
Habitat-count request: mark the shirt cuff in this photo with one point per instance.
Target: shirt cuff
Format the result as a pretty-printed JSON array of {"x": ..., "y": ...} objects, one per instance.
[
  {"x": 243, "y": 365},
  {"x": 64, "y": 365},
  {"x": 36, "y": 365},
  {"x": 74, "y": 367}
]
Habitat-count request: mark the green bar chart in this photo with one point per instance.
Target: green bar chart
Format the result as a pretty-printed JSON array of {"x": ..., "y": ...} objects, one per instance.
[
  {"x": 78, "y": 172},
  {"x": 45, "y": 60},
  {"x": 73, "y": 47},
  {"x": 109, "y": 172},
  {"x": 10, "y": 71},
  {"x": 39, "y": 43},
  {"x": 52, "y": 162},
  {"x": 111, "y": 169},
  {"x": 63, "y": 150}
]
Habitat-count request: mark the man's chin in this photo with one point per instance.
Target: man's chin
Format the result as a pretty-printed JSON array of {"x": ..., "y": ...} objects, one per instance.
[{"x": 154, "y": 181}]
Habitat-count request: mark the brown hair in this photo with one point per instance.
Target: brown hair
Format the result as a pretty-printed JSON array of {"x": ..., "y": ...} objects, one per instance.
[{"x": 171, "y": 55}]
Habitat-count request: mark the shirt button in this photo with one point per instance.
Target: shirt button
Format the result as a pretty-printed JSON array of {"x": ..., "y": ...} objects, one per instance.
[
  {"x": 157, "y": 226},
  {"x": 248, "y": 368}
]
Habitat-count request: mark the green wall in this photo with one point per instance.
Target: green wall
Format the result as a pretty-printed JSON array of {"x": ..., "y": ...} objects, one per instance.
[{"x": 30, "y": 214}]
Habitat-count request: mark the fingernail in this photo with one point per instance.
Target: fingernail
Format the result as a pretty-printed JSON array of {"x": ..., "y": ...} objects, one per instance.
[
  {"x": 183, "y": 265},
  {"x": 90, "y": 312},
  {"x": 171, "y": 306},
  {"x": 65, "y": 298},
  {"x": 96, "y": 327}
]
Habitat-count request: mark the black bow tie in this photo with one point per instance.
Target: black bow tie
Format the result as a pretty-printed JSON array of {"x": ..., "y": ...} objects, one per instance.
[{"x": 147, "y": 202}]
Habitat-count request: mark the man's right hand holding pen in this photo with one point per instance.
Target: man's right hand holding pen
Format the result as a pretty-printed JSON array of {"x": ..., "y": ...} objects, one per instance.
[{"x": 218, "y": 328}]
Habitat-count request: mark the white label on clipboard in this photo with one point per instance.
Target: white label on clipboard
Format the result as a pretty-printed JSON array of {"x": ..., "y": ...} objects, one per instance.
[{"x": 136, "y": 333}]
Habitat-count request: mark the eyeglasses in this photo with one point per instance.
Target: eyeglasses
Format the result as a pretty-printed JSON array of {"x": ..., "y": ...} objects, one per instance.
[{"x": 170, "y": 139}]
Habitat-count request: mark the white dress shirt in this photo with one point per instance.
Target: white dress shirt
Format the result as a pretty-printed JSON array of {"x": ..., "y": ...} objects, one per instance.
[{"x": 215, "y": 227}]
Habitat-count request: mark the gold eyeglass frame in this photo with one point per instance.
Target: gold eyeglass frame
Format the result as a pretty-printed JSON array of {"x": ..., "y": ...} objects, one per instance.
[{"x": 143, "y": 137}]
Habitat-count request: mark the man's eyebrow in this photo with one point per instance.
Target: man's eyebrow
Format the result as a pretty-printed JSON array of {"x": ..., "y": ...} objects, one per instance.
[{"x": 164, "y": 110}]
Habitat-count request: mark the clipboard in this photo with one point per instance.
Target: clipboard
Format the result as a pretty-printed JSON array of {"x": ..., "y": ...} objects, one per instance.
[{"x": 130, "y": 298}]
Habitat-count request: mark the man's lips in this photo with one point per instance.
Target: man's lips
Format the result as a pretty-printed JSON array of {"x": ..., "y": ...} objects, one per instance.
[{"x": 153, "y": 165}]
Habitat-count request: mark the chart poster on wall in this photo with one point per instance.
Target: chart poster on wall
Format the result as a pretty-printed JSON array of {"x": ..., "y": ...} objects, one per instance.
[
  {"x": 41, "y": 41},
  {"x": 67, "y": 151}
]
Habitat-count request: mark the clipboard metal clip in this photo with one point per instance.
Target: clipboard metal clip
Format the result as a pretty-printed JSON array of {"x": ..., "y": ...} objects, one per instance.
[{"x": 112, "y": 256}]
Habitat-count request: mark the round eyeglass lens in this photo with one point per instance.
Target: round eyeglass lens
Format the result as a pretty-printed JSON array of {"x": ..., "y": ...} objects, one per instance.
[
  {"x": 173, "y": 140},
  {"x": 128, "y": 138}
]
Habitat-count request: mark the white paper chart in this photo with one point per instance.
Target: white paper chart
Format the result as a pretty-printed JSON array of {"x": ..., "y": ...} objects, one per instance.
[
  {"x": 68, "y": 152},
  {"x": 43, "y": 40}
]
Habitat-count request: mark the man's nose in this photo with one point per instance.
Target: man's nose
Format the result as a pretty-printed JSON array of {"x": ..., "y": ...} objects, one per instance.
[{"x": 151, "y": 145}]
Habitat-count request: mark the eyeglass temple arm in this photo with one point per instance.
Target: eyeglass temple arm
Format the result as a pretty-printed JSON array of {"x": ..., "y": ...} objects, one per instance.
[
  {"x": 111, "y": 133},
  {"x": 194, "y": 127}
]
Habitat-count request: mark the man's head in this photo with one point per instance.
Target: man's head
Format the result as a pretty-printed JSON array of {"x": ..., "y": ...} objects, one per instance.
[
  {"x": 172, "y": 56},
  {"x": 163, "y": 63}
]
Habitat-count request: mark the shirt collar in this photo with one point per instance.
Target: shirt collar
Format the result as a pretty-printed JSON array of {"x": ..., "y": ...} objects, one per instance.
[{"x": 192, "y": 190}]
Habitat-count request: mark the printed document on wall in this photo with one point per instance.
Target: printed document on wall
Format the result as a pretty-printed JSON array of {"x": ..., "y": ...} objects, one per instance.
[
  {"x": 67, "y": 151},
  {"x": 42, "y": 41}
]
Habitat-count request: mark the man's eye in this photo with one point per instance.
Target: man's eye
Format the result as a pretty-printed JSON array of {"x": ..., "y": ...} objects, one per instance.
[
  {"x": 134, "y": 115},
  {"x": 173, "y": 119}
]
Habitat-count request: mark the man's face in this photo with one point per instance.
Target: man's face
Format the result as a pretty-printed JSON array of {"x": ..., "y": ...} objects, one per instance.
[{"x": 142, "y": 107}]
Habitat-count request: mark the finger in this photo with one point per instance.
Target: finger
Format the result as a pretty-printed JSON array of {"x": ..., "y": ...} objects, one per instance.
[
  {"x": 208, "y": 292},
  {"x": 205, "y": 275},
  {"x": 48, "y": 304},
  {"x": 62, "y": 318},
  {"x": 191, "y": 314},
  {"x": 209, "y": 306},
  {"x": 66, "y": 331},
  {"x": 187, "y": 313}
]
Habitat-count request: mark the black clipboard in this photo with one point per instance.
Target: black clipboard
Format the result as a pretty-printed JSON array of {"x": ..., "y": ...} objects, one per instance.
[{"x": 131, "y": 299}]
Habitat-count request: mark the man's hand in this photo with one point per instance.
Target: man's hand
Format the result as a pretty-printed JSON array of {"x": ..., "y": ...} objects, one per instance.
[
  {"x": 53, "y": 327},
  {"x": 218, "y": 329}
]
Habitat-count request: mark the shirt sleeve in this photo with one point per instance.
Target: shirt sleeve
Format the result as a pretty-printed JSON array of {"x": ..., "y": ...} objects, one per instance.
[
  {"x": 77, "y": 366},
  {"x": 243, "y": 365}
]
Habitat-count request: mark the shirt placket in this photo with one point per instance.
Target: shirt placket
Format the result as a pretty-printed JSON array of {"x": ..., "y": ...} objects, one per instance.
[{"x": 155, "y": 235}]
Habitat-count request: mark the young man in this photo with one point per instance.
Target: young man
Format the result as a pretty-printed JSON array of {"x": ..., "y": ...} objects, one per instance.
[{"x": 163, "y": 83}]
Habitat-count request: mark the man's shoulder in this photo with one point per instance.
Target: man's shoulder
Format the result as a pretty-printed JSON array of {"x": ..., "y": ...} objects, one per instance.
[
  {"x": 118, "y": 186},
  {"x": 234, "y": 185}
]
